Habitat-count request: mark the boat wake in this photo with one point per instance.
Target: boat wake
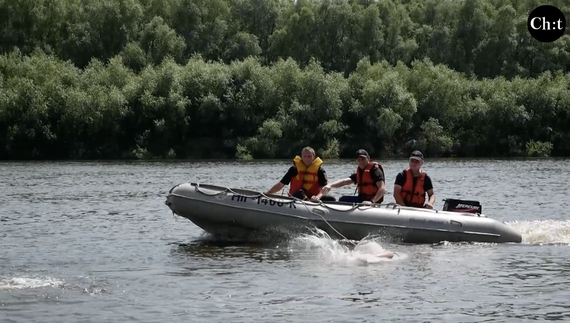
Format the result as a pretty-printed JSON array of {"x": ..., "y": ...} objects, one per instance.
[
  {"x": 313, "y": 244},
  {"x": 28, "y": 283},
  {"x": 543, "y": 231},
  {"x": 366, "y": 251}
]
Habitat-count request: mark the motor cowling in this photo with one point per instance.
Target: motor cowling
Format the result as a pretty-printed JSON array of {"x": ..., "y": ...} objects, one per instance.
[{"x": 462, "y": 206}]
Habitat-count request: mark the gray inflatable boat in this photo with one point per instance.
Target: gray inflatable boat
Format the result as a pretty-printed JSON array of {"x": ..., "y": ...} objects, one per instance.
[{"x": 227, "y": 211}]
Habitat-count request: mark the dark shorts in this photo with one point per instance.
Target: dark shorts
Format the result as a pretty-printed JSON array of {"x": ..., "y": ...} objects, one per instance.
[{"x": 350, "y": 199}]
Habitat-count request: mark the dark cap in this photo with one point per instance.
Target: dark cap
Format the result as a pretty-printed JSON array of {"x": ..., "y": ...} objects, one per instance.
[
  {"x": 362, "y": 153},
  {"x": 417, "y": 155}
]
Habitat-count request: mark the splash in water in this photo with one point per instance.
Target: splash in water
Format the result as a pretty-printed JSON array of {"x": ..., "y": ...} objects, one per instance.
[
  {"x": 543, "y": 231},
  {"x": 366, "y": 251},
  {"x": 24, "y": 283}
]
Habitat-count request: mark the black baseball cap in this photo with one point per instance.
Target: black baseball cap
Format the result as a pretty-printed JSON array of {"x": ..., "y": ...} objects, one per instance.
[
  {"x": 362, "y": 153},
  {"x": 417, "y": 155}
]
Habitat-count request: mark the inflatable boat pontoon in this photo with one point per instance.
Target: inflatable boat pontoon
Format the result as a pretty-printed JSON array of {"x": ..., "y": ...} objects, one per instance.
[{"x": 226, "y": 211}]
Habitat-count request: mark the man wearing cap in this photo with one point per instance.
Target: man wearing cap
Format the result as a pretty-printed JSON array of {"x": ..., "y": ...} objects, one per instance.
[
  {"x": 369, "y": 177},
  {"x": 413, "y": 183}
]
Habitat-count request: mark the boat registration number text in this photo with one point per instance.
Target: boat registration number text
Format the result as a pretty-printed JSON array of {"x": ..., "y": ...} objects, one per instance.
[{"x": 262, "y": 200}]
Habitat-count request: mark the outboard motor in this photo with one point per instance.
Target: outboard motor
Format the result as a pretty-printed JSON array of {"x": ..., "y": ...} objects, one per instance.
[{"x": 463, "y": 206}]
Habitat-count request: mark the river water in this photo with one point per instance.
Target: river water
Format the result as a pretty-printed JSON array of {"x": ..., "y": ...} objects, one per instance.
[{"x": 94, "y": 242}]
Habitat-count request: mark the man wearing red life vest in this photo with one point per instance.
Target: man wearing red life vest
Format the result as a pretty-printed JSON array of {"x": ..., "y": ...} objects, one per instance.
[
  {"x": 306, "y": 177},
  {"x": 412, "y": 184},
  {"x": 369, "y": 177}
]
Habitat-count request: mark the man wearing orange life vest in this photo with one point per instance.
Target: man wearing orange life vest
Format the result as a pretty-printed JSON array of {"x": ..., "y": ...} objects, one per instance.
[
  {"x": 369, "y": 177},
  {"x": 306, "y": 177},
  {"x": 412, "y": 184}
]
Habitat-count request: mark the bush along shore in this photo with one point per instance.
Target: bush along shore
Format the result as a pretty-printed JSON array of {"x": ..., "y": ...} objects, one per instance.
[{"x": 116, "y": 79}]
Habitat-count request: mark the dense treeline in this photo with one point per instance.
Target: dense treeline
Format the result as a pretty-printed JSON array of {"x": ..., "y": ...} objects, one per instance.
[{"x": 263, "y": 78}]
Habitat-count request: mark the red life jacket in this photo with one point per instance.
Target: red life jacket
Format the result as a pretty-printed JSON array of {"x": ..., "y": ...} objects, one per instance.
[
  {"x": 367, "y": 188},
  {"x": 306, "y": 178},
  {"x": 414, "y": 195}
]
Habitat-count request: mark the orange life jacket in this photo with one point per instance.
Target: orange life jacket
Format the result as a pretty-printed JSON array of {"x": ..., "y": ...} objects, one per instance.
[
  {"x": 306, "y": 178},
  {"x": 367, "y": 188},
  {"x": 413, "y": 196}
]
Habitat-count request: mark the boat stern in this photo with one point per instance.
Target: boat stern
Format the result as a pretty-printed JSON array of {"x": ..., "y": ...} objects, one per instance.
[{"x": 508, "y": 234}]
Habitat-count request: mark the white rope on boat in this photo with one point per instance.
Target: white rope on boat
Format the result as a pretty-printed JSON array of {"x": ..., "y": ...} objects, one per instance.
[{"x": 295, "y": 199}]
